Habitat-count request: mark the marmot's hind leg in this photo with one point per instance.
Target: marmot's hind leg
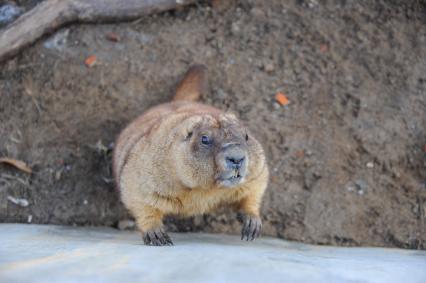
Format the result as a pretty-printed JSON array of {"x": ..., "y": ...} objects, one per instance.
[{"x": 150, "y": 222}]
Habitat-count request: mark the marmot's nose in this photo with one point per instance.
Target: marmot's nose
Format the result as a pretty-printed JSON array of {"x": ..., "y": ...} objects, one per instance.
[{"x": 234, "y": 162}]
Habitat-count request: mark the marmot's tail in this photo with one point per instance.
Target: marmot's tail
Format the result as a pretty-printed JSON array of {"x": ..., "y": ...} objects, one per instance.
[{"x": 193, "y": 85}]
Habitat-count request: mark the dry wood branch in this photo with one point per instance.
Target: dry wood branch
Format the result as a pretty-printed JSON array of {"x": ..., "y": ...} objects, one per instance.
[{"x": 50, "y": 15}]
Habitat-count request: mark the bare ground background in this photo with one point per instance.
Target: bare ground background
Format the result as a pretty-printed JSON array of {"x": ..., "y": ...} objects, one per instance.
[{"x": 355, "y": 74}]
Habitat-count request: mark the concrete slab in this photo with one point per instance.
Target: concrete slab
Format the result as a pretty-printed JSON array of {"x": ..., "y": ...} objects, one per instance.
[{"x": 39, "y": 253}]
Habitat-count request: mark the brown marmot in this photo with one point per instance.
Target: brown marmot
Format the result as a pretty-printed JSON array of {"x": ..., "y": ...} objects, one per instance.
[{"x": 187, "y": 158}]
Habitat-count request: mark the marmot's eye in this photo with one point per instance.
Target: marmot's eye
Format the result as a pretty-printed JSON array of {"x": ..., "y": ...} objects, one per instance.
[
  {"x": 205, "y": 140},
  {"x": 246, "y": 137},
  {"x": 189, "y": 135}
]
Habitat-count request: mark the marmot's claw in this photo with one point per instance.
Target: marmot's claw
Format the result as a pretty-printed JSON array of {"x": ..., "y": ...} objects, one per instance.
[
  {"x": 251, "y": 228},
  {"x": 157, "y": 237}
]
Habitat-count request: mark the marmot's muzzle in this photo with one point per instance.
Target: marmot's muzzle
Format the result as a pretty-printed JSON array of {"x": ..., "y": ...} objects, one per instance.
[{"x": 232, "y": 164}]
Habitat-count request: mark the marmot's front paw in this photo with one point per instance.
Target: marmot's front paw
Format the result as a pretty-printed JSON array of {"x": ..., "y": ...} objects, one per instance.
[
  {"x": 156, "y": 237},
  {"x": 252, "y": 226}
]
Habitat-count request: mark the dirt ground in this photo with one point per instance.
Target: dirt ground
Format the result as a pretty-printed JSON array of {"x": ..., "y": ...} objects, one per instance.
[{"x": 347, "y": 155}]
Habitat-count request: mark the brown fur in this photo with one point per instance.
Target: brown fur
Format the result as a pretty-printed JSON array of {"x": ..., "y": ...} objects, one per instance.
[
  {"x": 193, "y": 85},
  {"x": 160, "y": 168}
]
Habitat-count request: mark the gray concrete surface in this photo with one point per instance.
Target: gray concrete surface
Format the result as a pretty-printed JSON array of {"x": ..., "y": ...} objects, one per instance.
[{"x": 38, "y": 253}]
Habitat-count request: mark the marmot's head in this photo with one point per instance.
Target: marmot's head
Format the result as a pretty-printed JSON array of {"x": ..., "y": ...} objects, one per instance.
[{"x": 215, "y": 150}]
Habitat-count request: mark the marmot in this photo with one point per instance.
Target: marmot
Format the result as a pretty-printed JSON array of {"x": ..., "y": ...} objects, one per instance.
[{"x": 187, "y": 158}]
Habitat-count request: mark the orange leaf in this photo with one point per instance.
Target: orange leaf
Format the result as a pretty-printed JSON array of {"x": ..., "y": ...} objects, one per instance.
[
  {"x": 90, "y": 61},
  {"x": 282, "y": 99},
  {"x": 21, "y": 165}
]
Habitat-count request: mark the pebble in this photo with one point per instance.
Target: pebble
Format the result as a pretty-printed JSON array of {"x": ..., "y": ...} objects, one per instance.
[
  {"x": 370, "y": 165},
  {"x": 350, "y": 188},
  {"x": 58, "y": 175},
  {"x": 8, "y": 13},
  {"x": 312, "y": 3},
  {"x": 58, "y": 41},
  {"x": 268, "y": 67},
  {"x": 361, "y": 185},
  {"x": 276, "y": 105},
  {"x": 235, "y": 28},
  {"x": 18, "y": 201}
]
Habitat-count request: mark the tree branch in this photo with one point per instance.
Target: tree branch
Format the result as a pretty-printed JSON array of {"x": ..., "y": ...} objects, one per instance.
[{"x": 50, "y": 15}]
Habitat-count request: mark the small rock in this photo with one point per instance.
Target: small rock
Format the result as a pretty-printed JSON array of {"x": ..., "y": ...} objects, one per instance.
[
  {"x": 268, "y": 67},
  {"x": 58, "y": 41},
  {"x": 107, "y": 180},
  {"x": 312, "y": 3},
  {"x": 126, "y": 224},
  {"x": 276, "y": 105},
  {"x": 58, "y": 175},
  {"x": 85, "y": 202},
  {"x": 8, "y": 13},
  {"x": 235, "y": 28},
  {"x": 350, "y": 188},
  {"x": 18, "y": 201},
  {"x": 101, "y": 148},
  {"x": 370, "y": 165},
  {"x": 361, "y": 185}
]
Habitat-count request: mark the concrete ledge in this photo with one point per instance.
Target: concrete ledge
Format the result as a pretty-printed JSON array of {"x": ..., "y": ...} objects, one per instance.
[{"x": 39, "y": 253}]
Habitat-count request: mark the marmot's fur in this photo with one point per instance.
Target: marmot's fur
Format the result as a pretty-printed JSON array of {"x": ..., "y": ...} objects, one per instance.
[{"x": 187, "y": 158}]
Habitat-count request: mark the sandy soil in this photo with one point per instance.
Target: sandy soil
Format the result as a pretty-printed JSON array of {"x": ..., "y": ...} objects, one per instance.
[{"x": 347, "y": 155}]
